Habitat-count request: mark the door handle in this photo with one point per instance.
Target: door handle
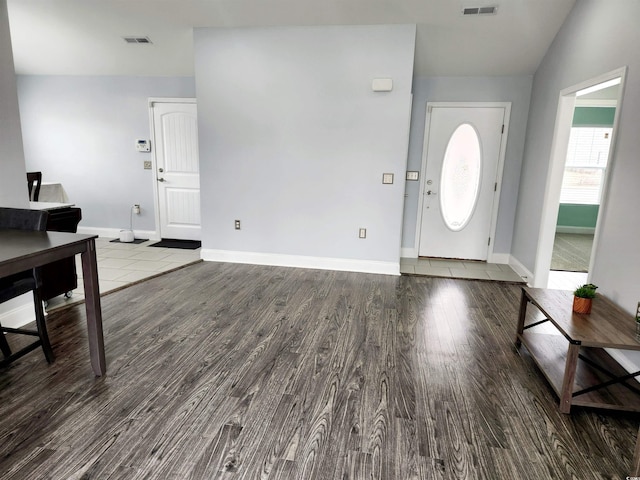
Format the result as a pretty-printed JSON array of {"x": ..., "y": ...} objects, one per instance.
[
  {"x": 429, "y": 192},
  {"x": 161, "y": 179}
]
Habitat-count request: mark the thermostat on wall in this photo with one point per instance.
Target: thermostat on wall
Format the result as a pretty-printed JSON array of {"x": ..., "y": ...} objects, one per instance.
[{"x": 143, "y": 145}]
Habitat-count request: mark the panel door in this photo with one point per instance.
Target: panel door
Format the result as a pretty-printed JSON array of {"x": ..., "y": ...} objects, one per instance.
[
  {"x": 463, "y": 152},
  {"x": 177, "y": 169}
]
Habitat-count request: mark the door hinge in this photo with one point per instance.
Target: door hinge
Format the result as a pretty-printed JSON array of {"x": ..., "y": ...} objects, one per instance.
[
  {"x": 489, "y": 241},
  {"x": 495, "y": 187},
  {"x": 502, "y": 128}
]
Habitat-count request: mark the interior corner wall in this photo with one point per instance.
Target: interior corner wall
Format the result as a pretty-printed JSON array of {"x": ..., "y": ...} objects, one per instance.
[
  {"x": 13, "y": 183},
  {"x": 516, "y": 90},
  {"x": 294, "y": 142},
  {"x": 580, "y": 52},
  {"x": 13, "y": 180},
  {"x": 81, "y": 131}
]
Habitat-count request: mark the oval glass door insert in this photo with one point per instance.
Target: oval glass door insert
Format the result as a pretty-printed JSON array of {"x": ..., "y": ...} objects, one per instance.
[{"x": 460, "y": 178}]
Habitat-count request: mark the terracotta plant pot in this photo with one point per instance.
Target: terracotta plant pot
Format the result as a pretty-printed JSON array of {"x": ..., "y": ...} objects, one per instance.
[{"x": 582, "y": 305}]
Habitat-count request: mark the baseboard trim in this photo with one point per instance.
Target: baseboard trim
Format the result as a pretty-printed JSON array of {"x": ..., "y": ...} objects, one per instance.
[
  {"x": 298, "y": 261},
  {"x": 578, "y": 230},
  {"x": 20, "y": 311},
  {"x": 629, "y": 365},
  {"x": 520, "y": 269},
  {"x": 115, "y": 232}
]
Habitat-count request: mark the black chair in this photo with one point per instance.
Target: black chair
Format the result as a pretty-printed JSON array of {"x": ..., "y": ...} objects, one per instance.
[
  {"x": 23, "y": 282},
  {"x": 34, "y": 180}
]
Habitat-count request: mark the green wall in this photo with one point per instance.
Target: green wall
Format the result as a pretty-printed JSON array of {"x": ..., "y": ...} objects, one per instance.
[
  {"x": 573, "y": 215},
  {"x": 593, "y": 116}
]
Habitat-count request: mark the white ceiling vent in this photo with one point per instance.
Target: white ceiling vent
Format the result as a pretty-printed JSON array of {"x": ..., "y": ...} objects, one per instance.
[
  {"x": 137, "y": 40},
  {"x": 492, "y": 10}
]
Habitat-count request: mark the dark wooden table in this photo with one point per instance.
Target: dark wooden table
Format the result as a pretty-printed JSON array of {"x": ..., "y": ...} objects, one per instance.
[
  {"x": 572, "y": 356},
  {"x": 635, "y": 468},
  {"x": 21, "y": 250}
]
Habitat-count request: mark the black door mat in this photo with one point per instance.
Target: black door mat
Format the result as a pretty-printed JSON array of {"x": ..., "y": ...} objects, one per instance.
[
  {"x": 172, "y": 243},
  {"x": 136, "y": 241}
]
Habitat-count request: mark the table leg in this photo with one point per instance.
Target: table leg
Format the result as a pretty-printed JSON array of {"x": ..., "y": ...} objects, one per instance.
[
  {"x": 94, "y": 311},
  {"x": 571, "y": 365},
  {"x": 521, "y": 317},
  {"x": 635, "y": 468}
]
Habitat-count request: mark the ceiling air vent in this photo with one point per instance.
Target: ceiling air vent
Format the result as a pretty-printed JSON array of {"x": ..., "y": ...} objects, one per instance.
[
  {"x": 137, "y": 40},
  {"x": 480, "y": 10}
]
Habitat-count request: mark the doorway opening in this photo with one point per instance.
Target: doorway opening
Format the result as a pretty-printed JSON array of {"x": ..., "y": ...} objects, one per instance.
[{"x": 581, "y": 153}]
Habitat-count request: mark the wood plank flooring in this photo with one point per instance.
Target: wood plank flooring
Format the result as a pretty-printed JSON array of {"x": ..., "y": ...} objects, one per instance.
[{"x": 222, "y": 371}]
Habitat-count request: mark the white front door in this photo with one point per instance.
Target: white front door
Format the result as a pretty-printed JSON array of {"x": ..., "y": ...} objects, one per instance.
[
  {"x": 460, "y": 181},
  {"x": 177, "y": 169}
]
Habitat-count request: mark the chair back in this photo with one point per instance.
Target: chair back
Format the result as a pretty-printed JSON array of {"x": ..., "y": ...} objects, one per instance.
[
  {"x": 34, "y": 179},
  {"x": 23, "y": 219}
]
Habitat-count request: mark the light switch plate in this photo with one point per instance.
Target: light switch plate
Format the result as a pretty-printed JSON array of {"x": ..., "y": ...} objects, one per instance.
[
  {"x": 412, "y": 175},
  {"x": 387, "y": 178},
  {"x": 147, "y": 164},
  {"x": 362, "y": 233}
]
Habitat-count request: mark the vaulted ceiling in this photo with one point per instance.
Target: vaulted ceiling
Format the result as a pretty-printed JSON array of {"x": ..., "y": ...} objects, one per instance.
[{"x": 85, "y": 37}]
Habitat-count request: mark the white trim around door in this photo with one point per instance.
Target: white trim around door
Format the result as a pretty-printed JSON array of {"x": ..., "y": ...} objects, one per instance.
[
  {"x": 559, "y": 145},
  {"x": 494, "y": 215}
]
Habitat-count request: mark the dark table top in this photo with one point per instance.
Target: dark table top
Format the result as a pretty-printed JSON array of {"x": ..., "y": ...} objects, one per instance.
[
  {"x": 20, "y": 249},
  {"x": 607, "y": 325}
]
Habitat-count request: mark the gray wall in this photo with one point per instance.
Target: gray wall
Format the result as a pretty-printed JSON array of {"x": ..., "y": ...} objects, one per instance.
[
  {"x": 516, "y": 90},
  {"x": 583, "y": 50},
  {"x": 13, "y": 183},
  {"x": 81, "y": 131},
  {"x": 293, "y": 142}
]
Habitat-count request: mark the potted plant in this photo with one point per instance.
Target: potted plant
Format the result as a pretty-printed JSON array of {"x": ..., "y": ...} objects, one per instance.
[{"x": 582, "y": 298}]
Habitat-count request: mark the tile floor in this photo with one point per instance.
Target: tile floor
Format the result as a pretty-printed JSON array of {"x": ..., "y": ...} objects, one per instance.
[
  {"x": 566, "y": 280},
  {"x": 459, "y": 269},
  {"x": 484, "y": 271},
  {"x": 122, "y": 264}
]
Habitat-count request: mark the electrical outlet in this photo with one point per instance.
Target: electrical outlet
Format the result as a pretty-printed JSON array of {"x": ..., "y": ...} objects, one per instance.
[
  {"x": 362, "y": 233},
  {"x": 136, "y": 209},
  {"x": 147, "y": 164},
  {"x": 237, "y": 223}
]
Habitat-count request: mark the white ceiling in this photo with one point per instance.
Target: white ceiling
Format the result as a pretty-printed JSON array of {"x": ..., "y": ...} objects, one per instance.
[{"x": 84, "y": 37}]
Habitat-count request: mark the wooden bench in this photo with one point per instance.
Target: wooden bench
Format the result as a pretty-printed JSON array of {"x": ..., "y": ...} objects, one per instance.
[{"x": 572, "y": 356}]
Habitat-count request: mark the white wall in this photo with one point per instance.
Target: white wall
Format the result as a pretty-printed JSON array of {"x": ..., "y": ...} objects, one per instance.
[
  {"x": 293, "y": 142},
  {"x": 81, "y": 131},
  {"x": 13, "y": 183},
  {"x": 13, "y": 180},
  {"x": 596, "y": 38},
  {"x": 516, "y": 90}
]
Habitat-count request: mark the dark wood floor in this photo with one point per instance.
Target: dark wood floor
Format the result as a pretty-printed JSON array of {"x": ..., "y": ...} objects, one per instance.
[{"x": 246, "y": 372}]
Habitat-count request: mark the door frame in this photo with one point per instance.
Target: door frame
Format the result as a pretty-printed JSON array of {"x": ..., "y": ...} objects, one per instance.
[
  {"x": 557, "y": 160},
  {"x": 154, "y": 160},
  {"x": 491, "y": 258}
]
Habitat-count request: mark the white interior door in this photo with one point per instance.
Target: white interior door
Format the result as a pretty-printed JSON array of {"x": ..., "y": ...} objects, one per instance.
[
  {"x": 460, "y": 181},
  {"x": 177, "y": 169}
]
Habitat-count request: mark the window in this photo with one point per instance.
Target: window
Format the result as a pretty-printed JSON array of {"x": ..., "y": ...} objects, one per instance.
[
  {"x": 587, "y": 157},
  {"x": 460, "y": 178}
]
